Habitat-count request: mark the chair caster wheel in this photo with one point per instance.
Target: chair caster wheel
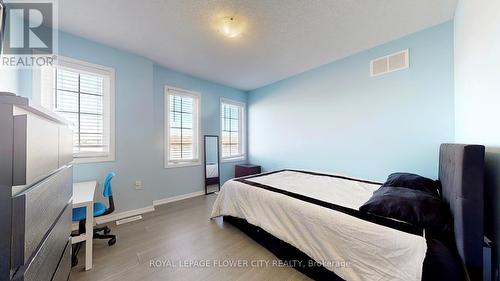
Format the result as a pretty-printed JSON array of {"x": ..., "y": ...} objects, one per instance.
[
  {"x": 112, "y": 241},
  {"x": 74, "y": 261},
  {"x": 107, "y": 230}
]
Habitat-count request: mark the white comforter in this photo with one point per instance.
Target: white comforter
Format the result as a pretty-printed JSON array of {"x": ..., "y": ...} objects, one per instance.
[{"x": 352, "y": 248}]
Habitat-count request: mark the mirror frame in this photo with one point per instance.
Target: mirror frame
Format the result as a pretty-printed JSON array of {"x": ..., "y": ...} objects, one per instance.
[{"x": 205, "y": 162}]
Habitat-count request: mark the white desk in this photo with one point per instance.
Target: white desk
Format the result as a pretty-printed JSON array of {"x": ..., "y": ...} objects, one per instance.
[{"x": 83, "y": 196}]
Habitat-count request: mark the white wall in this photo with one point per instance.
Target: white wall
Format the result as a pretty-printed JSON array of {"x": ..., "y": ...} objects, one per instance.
[
  {"x": 477, "y": 71},
  {"x": 477, "y": 94}
]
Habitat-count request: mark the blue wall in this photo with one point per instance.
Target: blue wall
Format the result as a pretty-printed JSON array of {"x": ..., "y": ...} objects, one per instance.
[
  {"x": 139, "y": 124},
  {"x": 15, "y": 80},
  {"x": 333, "y": 118},
  {"x": 211, "y": 93},
  {"x": 337, "y": 118},
  {"x": 9, "y": 80}
]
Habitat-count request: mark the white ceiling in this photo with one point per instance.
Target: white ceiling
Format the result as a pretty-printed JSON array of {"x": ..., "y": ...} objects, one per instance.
[{"x": 283, "y": 37}]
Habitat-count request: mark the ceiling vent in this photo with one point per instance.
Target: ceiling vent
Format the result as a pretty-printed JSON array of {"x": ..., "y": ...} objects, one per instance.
[{"x": 393, "y": 62}]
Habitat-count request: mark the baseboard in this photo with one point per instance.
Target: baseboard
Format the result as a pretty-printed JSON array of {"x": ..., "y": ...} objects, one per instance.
[
  {"x": 123, "y": 215},
  {"x": 177, "y": 198},
  {"x": 147, "y": 209},
  {"x": 127, "y": 220}
]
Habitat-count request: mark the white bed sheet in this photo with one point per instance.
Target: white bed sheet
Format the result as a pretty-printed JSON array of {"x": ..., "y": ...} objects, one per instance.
[{"x": 352, "y": 248}]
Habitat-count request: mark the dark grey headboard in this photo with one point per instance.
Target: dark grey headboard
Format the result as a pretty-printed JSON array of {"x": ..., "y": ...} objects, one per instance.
[{"x": 461, "y": 172}]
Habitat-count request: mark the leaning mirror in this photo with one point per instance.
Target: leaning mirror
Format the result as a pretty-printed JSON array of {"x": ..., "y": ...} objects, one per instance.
[{"x": 212, "y": 171}]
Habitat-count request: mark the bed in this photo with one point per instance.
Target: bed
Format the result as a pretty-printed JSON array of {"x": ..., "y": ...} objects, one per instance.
[{"x": 312, "y": 221}]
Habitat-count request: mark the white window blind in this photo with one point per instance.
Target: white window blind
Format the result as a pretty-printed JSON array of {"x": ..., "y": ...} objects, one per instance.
[
  {"x": 182, "y": 126},
  {"x": 79, "y": 98},
  {"x": 232, "y": 127},
  {"x": 82, "y": 93}
]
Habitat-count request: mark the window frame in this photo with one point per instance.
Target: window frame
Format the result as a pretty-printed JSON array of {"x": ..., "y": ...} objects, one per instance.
[
  {"x": 41, "y": 97},
  {"x": 166, "y": 128},
  {"x": 242, "y": 131}
]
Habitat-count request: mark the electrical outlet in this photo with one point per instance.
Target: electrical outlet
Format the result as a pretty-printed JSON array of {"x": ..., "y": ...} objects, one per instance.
[{"x": 138, "y": 184}]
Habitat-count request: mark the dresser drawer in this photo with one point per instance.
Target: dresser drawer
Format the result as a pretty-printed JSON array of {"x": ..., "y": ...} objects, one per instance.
[
  {"x": 64, "y": 268},
  {"x": 35, "y": 210},
  {"x": 45, "y": 262},
  {"x": 246, "y": 170},
  {"x": 36, "y": 148}
]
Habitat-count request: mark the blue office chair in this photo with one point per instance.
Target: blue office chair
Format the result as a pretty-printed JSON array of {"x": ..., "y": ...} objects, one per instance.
[{"x": 80, "y": 214}]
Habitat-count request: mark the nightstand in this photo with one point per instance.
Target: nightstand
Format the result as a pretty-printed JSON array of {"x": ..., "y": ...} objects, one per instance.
[{"x": 242, "y": 170}]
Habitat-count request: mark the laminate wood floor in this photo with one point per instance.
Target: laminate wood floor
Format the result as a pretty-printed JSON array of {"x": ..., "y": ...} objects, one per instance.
[{"x": 173, "y": 237}]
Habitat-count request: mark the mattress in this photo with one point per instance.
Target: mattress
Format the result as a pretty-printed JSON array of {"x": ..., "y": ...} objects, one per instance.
[
  {"x": 212, "y": 170},
  {"x": 352, "y": 247}
]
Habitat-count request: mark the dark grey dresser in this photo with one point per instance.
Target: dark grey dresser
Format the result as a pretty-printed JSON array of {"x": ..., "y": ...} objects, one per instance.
[{"x": 35, "y": 192}]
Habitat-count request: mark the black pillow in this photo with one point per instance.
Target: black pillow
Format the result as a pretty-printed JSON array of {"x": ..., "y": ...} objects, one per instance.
[
  {"x": 416, "y": 207},
  {"x": 413, "y": 181}
]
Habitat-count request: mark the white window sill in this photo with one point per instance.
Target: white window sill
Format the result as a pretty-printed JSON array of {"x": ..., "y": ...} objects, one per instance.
[
  {"x": 234, "y": 159},
  {"x": 181, "y": 165},
  {"x": 84, "y": 160}
]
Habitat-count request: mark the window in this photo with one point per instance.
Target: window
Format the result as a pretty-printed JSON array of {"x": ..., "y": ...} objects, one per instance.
[
  {"x": 82, "y": 93},
  {"x": 182, "y": 127},
  {"x": 233, "y": 130}
]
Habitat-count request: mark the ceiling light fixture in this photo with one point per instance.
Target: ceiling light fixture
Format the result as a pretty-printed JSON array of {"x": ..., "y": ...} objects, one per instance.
[{"x": 230, "y": 27}]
